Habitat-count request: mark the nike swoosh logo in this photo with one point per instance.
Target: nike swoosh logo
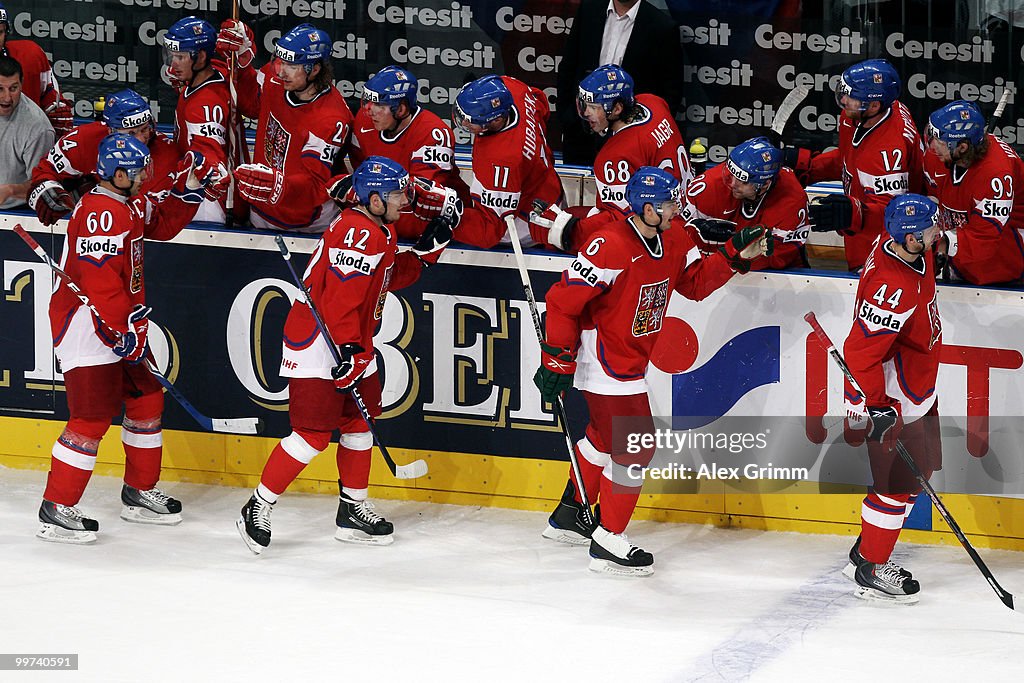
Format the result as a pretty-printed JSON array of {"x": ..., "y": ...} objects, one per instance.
[
  {"x": 729, "y": 211},
  {"x": 367, "y": 130},
  {"x": 637, "y": 257}
]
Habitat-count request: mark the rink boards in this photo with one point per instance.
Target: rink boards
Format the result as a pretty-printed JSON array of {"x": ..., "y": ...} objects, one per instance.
[{"x": 458, "y": 352}]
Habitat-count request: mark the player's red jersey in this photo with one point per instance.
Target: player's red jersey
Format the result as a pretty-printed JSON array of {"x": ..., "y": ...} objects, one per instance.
[
  {"x": 75, "y": 154},
  {"x": 651, "y": 139},
  {"x": 200, "y": 118},
  {"x": 354, "y": 266},
  {"x": 875, "y": 165},
  {"x": 981, "y": 209},
  {"x": 783, "y": 208},
  {"x": 103, "y": 254},
  {"x": 612, "y": 300},
  {"x": 300, "y": 139},
  {"x": 893, "y": 347},
  {"x": 37, "y": 81},
  {"x": 424, "y": 148},
  {"x": 511, "y": 168}
]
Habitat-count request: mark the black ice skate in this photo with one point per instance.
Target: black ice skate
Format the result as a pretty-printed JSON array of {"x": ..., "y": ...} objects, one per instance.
[
  {"x": 149, "y": 507},
  {"x": 856, "y": 560},
  {"x": 65, "y": 524},
  {"x": 887, "y": 582},
  {"x": 358, "y": 523},
  {"x": 614, "y": 554},
  {"x": 566, "y": 524},
  {"x": 254, "y": 523}
]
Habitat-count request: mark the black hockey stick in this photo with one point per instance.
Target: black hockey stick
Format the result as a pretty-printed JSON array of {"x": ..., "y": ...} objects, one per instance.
[
  {"x": 413, "y": 470},
  {"x": 1005, "y": 597},
  {"x": 524, "y": 276},
  {"x": 228, "y": 425}
]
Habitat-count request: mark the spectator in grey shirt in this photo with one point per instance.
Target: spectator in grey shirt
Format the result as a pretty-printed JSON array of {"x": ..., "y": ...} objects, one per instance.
[{"x": 25, "y": 136}]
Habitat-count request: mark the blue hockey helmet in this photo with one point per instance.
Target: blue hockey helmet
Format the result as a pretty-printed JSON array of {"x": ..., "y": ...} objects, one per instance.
[
  {"x": 126, "y": 109},
  {"x": 191, "y": 35},
  {"x": 873, "y": 80},
  {"x": 121, "y": 151},
  {"x": 909, "y": 214},
  {"x": 605, "y": 86},
  {"x": 755, "y": 161},
  {"x": 306, "y": 45},
  {"x": 481, "y": 101},
  {"x": 380, "y": 175},
  {"x": 651, "y": 185},
  {"x": 3, "y": 16},
  {"x": 956, "y": 122},
  {"x": 391, "y": 86}
]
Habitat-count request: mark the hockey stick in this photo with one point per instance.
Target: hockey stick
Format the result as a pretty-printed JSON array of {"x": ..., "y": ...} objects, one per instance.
[
  {"x": 997, "y": 115},
  {"x": 413, "y": 470},
  {"x": 1005, "y": 597},
  {"x": 240, "y": 425},
  {"x": 229, "y": 198},
  {"x": 524, "y": 276},
  {"x": 786, "y": 109}
]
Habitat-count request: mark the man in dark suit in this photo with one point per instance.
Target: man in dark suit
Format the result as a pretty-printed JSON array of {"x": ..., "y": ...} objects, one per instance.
[{"x": 634, "y": 34}]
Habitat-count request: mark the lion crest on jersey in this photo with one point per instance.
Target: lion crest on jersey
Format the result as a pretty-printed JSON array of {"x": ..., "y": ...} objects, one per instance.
[
  {"x": 382, "y": 298},
  {"x": 935, "y": 321},
  {"x": 650, "y": 310},
  {"x": 275, "y": 144}
]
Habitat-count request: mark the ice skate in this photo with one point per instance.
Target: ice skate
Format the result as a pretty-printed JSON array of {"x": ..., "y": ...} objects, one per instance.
[
  {"x": 359, "y": 523},
  {"x": 65, "y": 524},
  {"x": 254, "y": 524},
  {"x": 614, "y": 554},
  {"x": 856, "y": 560},
  {"x": 566, "y": 524},
  {"x": 887, "y": 582},
  {"x": 149, "y": 507}
]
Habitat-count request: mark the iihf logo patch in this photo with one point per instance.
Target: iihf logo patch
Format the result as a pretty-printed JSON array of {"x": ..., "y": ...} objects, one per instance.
[
  {"x": 495, "y": 102},
  {"x": 376, "y": 168},
  {"x": 911, "y": 210},
  {"x": 119, "y": 143},
  {"x": 766, "y": 156},
  {"x": 612, "y": 76},
  {"x": 648, "y": 180},
  {"x": 197, "y": 29},
  {"x": 400, "y": 75},
  {"x": 965, "y": 115},
  {"x": 877, "y": 78}
]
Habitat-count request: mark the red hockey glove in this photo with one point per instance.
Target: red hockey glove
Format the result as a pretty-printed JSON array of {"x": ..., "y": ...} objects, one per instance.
[
  {"x": 886, "y": 424},
  {"x": 235, "y": 38},
  {"x": 175, "y": 82},
  {"x": 339, "y": 188},
  {"x": 836, "y": 213},
  {"x": 192, "y": 177},
  {"x": 61, "y": 116},
  {"x": 558, "y": 223},
  {"x": 434, "y": 239},
  {"x": 747, "y": 245},
  {"x": 133, "y": 343},
  {"x": 354, "y": 361},
  {"x": 50, "y": 201},
  {"x": 554, "y": 376},
  {"x": 259, "y": 184},
  {"x": 433, "y": 200}
]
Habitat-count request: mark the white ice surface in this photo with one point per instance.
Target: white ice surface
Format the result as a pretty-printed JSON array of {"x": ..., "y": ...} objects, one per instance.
[{"x": 473, "y": 594}]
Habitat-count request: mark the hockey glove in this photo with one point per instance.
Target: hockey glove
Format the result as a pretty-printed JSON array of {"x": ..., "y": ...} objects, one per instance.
[
  {"x": 354, "y": 361},
  {"x": 557, "y": 222},
  {"x": 50, "y": 201},
  {"x": 434, "y": 239},
  {"x": 713, "y": 229},
  {"x": 339, "y": 188},
  {"x": 60, "y": 115},
  {"x": 235, "y": 38},
  {"x": 886, "y": 424},
  {"x": 217, "y": 183},
  {"x": 190, "y": 178},
  {"x": 132, "y": 344},
  {"x": 259, "y": 184},
  {"x": 554, "y": 376},
  {"x": 746, "y": 245},
  {"x": 835, "y": 213},
  {"x": 173, "y": 80},
  {"x": 433, "y": 200}
]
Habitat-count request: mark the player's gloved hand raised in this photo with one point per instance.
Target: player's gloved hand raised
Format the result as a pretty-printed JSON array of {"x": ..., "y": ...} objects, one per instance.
[
  {"x": 433, "y": 199},
  {"x": 713, "y": 229},
  {"x": 190, "y": 178},
  {"x": 554, "y": 376},
  {"x": 885, "y": 424},
  {"x": 354, "y": 361},
  {"x": 61, "y": 116},
  {"x": 50, "y": 201},
  {"x": 835, "y": 213},
  {"x": 259, "y": 183},
  {"x": 339, "y": 188},
  {"x": 133, "y": 343},
  {"x": 216, "y": 182},
  {"x": 557, "y": 222},
  {"x": 236, "y": 38},
  {"x": 175, "y": 82},
  {"x": 746, "y": 245},
  {"x": 434, "y": 239}
]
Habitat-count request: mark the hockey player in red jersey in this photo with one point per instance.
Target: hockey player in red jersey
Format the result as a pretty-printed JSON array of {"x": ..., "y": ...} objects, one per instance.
[
  {"x": 977, "y": 180},
  {"x": 69, "y": 168},
  {"x": 512, "y": 163},
  {"x": 103, "y": 254},
  {"x": 303, "y": 126},
  {"x": 348, "y": 277},
  {"x": 201, "y": 115},
  {"x": 880, "y": 156},
  {"x": 893, "y": 352},
  {"x": 603, "y": 318},
  {"x": 640, "y": 131},
  {"x": 750, "y": 188},
  {"x": 390, "y": 123},
  {"x": 38, "y": 81}
]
